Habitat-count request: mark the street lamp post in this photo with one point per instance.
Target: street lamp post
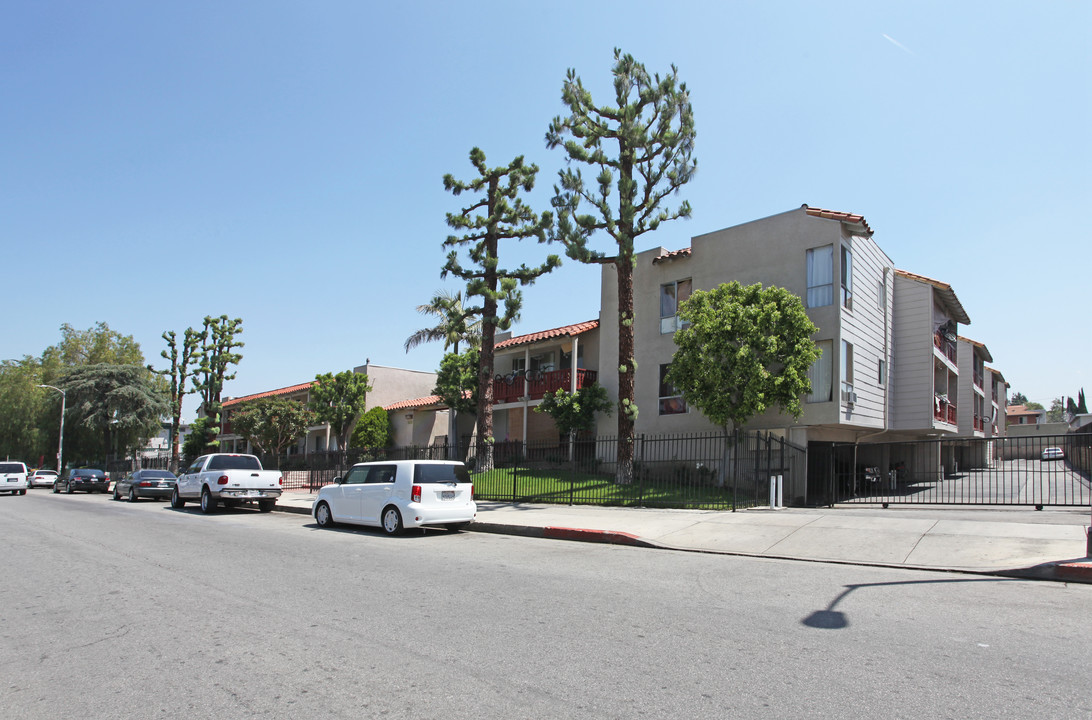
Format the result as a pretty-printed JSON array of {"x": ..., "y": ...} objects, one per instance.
[{"x": 60, "y": 441}]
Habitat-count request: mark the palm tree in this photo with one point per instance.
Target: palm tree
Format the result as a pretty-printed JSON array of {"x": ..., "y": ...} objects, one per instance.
[{"x": 456, "y": 323}]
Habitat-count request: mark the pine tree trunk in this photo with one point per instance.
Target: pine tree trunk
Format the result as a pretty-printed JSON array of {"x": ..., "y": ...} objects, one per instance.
[{"x": 626, "y": 410}]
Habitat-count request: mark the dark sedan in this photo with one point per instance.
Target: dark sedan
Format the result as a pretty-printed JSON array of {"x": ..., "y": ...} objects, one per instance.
[
  {"x": 156, "y": 484},
  {"x": 86, "y": 479}
]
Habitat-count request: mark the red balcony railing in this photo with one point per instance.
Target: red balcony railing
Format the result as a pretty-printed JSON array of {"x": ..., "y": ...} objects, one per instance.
[
  {"x": 978, "y": 424},
  {"x": 510, "y": 388},
  {"x": 946, "y": 347},
  {"x": 944, "y": 411}
]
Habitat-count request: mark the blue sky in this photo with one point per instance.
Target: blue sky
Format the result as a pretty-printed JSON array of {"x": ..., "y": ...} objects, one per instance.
[{"x": 282, "y": 161}]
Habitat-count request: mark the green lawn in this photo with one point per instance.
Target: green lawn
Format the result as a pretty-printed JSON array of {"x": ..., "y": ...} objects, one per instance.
[{"x": 564, "y": 486}]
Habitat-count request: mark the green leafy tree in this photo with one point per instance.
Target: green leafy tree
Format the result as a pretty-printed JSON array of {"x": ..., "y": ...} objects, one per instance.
[
  {"x": 1082, "y": 409},
  {"x": 1018, "y": 398},
  {"x": 745, "y": 349},
  {"x": 272, "y": 424},
  {"x": 640, "y": 150},
  {"x": 197, "y": 442},
  {"x": 340, "y": 400},
  {"x": 496, "y": 213},
  {"x": 1056, "y": 413},
  {"x": 457, "y": 381},
  {"x": 575, "y": 412},
  {"x": 373, "y": 430},
  {"x": 177, "y": 375},
  {"x": 1032, "y": 405},
  {"x": 218, "y": 342},
  {"x": 23, "y": 411},
  {"x": 97, "y": 345},
  {"x": 121, "y": 403}
]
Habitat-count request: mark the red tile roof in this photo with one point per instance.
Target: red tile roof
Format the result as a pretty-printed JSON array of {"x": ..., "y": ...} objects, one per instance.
[
  {"x": 566, "y": 331},
  {"x": 271, "y": 393},
  {"x": 424, "y": 402},
  {"x": 1022, "y": 410},
  {"x": 848, "y": 218},
  {"x": 673, "y": 255},
  {"x": 981, "y": 346}
]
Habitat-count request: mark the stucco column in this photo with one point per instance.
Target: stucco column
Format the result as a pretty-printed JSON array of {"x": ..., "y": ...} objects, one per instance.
[{"x": 573, "y": 365}]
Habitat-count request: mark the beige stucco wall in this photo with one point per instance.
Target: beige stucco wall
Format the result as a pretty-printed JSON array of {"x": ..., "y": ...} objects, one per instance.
[
  {"x": 772, "y": 251},
  {"x": 391, "y": 385}
]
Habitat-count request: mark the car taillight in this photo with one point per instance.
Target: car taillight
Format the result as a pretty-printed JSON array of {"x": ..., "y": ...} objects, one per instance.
[
  {"x": 415, "y": 495},
  {"x": 145, "y": 483},
  {"x": 222, "y": 480},
  {"x": 471, "y": 491},
  {"x": 280, "y": 481}
]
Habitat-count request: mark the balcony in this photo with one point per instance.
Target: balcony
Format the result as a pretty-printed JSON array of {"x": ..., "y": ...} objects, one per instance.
[
  {"x": 977, "y": 379},
  {"x": 979, "y": 425},
  {"x": 943, "y": 410},
  {"x": 511, "y": 388},
  {"x": 947, "y": 347}
]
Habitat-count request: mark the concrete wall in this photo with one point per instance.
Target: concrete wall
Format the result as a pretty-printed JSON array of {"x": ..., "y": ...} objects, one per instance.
[{"x": 391, "y": 385}]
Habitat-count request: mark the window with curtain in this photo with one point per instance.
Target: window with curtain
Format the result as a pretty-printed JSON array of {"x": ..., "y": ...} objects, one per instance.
[
  {"x": 671, "y": 400},
  {"x": 821, "y": 373},
  {"x": 821, "y": 276}
]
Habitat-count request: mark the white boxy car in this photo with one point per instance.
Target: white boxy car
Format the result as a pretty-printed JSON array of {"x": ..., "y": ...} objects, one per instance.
[
  {"x": 399, "y": 494},
  {"x": 13, "y": 478}
]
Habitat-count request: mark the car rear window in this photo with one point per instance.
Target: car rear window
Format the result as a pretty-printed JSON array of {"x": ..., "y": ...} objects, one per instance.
[
  {"x": 89, "y": 473},
  {"x": 440, "y": 474},
  {"x": 11, "y": 467},
  {"x": 157, "y": 474},
  {"x": 46, "y": 472},
  {"x": 234, "y": 462}
]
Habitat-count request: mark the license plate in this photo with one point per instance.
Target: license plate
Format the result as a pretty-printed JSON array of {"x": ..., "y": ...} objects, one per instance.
[
  {"x": 13, "y": 480},
  {"x": 447, "y": 494}
]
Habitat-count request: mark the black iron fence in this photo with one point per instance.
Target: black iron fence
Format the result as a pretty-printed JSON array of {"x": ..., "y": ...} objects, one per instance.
[
  {"x": 1033, "y": 471},
  {"x": 681, "y": 471}
]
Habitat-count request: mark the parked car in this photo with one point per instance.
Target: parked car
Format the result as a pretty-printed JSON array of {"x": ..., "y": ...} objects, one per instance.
[
  {"x": 13, "y": 478},
  {"x": 42, "y": 478},
  {"x": 1052, "y": 453},
  {"x": 158, "y": 484},
  {"x": 397, "y": 495},
  {"x": 86, "y": 479},
  {"x": 228, "y": 477}
]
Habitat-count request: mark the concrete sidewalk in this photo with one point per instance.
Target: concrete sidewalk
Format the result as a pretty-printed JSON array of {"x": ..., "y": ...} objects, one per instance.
[{"x": 1021, "y": 542}]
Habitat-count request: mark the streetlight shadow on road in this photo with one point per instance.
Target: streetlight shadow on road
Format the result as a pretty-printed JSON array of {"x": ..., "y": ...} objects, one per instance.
[{"x": 831, "y": 619}]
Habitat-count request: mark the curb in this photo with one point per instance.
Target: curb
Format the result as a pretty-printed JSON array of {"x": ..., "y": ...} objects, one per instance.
[
  {"x": 1074, "y": 572},
  {"x": 610, "y": 537}
]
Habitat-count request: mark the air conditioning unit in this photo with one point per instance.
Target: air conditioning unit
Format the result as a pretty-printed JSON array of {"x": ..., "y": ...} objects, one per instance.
[{"x": 849, "y": 397}]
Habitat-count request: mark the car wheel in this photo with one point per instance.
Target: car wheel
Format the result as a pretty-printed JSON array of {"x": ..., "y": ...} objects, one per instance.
[
  {"x": 266, "y": 505},
  {"x": 323, "y": 516},
  {"x": 392, "y": 520},
  {"x": 68, "y": 489},
  {"x": 456, "y": 527},
  {"x": 208, "y": 503},
  {"x": 176, "y": 500},
  {"x": 55, "y": 488},
  {"x": 116, "y": 495},
  {"x": 23, "y": 492},
  {"x": 132, "y": 494}
]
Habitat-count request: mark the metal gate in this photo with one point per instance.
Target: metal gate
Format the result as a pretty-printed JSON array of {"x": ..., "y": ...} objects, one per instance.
[{"x": 1033, "y": 471}]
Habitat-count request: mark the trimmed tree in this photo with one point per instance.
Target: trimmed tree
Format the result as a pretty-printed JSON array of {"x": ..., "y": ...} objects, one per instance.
[
  {"x": 575, "y": 412},
  {"x": 497, "y": 213},
  {"x": 176, "y": 376},
  {"x": 743, "y": 350},
  {"x": 640, "y": 150},
  {"x": 215, "y": 355},
  {"x": 119, "y": 401},
  {"x": 373, "y": 430}
]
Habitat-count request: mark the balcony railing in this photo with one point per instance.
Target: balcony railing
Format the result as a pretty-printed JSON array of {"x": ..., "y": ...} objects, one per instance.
[
  {"x": 978, "y": 379},
  {"x": 945, "y": 346},
  {"x": 979, "y": 425},
  {"x": 944, "y": 411},
  {"x": 512, "y": 387}
]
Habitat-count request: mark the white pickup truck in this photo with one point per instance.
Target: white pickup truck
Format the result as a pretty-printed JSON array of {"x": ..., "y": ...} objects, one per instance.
[{"x": 231, "y": 478}]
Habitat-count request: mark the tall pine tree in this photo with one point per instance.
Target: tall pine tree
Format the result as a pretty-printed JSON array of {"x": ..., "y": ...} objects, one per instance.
[
  {"x": 497, "y": 213},
  {"x": 640, "y": 150}
]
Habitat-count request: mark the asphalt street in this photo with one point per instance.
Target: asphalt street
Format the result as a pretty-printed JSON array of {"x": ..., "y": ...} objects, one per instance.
[{"x": 135, "y": 610}]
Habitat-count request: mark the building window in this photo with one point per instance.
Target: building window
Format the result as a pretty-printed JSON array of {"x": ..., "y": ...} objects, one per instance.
[
  {"x": 821, "y": 276},
  {"x": 847, "y": 372},
  {"x": 847, "y": 277},
  {"x": 881, "y": 373},
  {"x": 821, "y": 373},
  {"x": 671, "y": 401},
  {"x": 671, "y": 295}
]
